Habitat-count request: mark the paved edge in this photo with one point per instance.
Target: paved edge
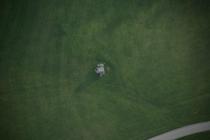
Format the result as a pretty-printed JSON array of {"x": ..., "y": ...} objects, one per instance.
[{"x": 183, "y": 131}]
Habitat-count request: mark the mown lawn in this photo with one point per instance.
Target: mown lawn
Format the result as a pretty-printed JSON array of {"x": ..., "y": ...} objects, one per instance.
[{"x": 157, "y": 52}]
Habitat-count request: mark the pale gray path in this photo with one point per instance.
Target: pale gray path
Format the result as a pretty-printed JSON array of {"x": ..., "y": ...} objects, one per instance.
[{"x": 183, "y": 131}]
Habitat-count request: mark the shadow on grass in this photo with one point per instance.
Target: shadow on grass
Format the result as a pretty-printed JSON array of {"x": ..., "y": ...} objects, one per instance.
[{"x": 89, "y": 80}]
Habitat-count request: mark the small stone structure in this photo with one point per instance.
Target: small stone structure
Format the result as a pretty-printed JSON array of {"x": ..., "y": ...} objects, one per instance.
[{"x": 100, "y": 70}]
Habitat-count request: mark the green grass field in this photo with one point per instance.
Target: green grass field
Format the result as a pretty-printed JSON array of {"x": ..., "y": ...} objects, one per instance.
[{"x": 159, "y": 58}]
